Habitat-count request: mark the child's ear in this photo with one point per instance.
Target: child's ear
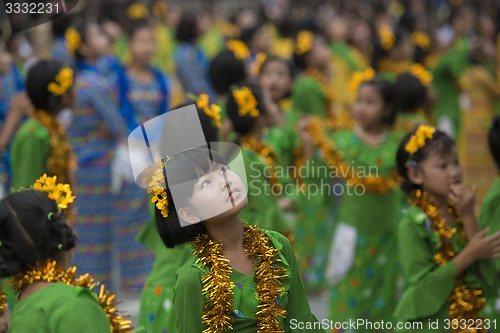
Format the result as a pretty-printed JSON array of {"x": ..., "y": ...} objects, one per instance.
[
  {"x": 188, "y": 215},
  {"x": 415, "y": 175}
]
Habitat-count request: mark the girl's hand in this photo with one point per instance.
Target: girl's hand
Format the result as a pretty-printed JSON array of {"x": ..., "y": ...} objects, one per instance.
[
  {"x": 464, "y": 200},
  {"x": 485, "y": 247}
]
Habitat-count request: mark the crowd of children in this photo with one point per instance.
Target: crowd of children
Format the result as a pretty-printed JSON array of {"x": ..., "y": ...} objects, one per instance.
[{"x": 367, "y": 131}]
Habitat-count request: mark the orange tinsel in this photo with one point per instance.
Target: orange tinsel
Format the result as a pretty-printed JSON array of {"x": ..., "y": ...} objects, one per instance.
[
  {"x": 3, "y": 302},
  {"x": 465, "y": 302}
]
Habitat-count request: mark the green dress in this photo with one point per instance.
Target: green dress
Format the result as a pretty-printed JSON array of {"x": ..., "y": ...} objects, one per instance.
[
  {"x": 262, "y": 208},
  {"x": 30, "y": 150},
  {"x": 59, "y": 308},
  {"x": 189, "y": 301},
  {"x": 490, "y": 217},
  {"x": 446, "y": 73},
  {"x": 156, "y": 312},
  {"x": 308, "y": 97},
  {"x": 363, "y": 258},
  {"x": 427, "y": 284}
]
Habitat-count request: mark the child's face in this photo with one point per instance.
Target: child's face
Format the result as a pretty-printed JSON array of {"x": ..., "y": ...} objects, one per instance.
[
  {"x": 97, "y": 41},
  {"x": 438, "y": 172},
  {"x": 142, "y": 45},
  {"x": 320, "y": 54},
  {"x": 217, "y": 194},
  {"x": 5, "y": 59},
  {"x": 275, "y": 78},
  {"x": 368, "y": 108},
  {"x": 261, "y": 42}
]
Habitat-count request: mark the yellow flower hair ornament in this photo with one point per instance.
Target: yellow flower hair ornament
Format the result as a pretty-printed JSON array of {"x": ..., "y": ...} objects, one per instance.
[
  {"x": 421, "y": 39},
  {"x": 358, "y": 78},
  {"x": 417, "y": 141},
  {"x": 64, "y": 81},
  {"x": 60, "y": 193},
  {"x": 386, "y": 36},
  {"x": 73, "y": 40},
  {"x": 213, "y": 111},
  {"x": 424, "y": 76},
  {"x": 158, "y": 190},
  {"x": 260, "y": 58},
  {"x": 304, "y": 42},
  {"x": 137, "y": 11},
  {"x": 239, "y": 49},
  {"x": 247, "y": 104}
]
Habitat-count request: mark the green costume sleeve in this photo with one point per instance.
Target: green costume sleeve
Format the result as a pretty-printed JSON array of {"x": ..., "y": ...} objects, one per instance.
[
  {"x": 308, "y": 97},
  {"x": 29, "y": 152},
  {"x": 188, "y": 300},
  {"x": 297, "y": 310},
  {"x": 428, "y": 285},
  {"x": 82, "y": 315}
]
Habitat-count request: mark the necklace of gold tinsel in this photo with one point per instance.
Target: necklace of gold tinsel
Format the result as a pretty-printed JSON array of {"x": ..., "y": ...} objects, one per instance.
[
  {"x": 61, "y": 160},
  {"x": 465, "y": 302},
  {"x": 333, "y": 158},
  {"x": 266, "y": 152},
  {"x": 218, "y": 287},
  {"x": 326, "y": 87},
  {"x": 3, "y": 301},
  {"x": 51, "y": 272}
]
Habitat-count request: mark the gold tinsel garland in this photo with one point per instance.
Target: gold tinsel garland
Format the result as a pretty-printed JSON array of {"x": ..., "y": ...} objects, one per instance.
[
  {"x": 218, "y": 288},
  {"x": 465, "y": 302},
  {"x": 333, "y": 159},
  {"x": 3, "y": 301},
  {"x": 61, "y": 160},
  {"x": 51, "y": 272},
  {"x": 266, "y": 152}
]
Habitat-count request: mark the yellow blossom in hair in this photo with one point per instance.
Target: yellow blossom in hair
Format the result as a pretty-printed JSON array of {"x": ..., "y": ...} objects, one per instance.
[
  {"x": 247, "y": 104},
  {"x": 421, "y": 39},
  {"x": 419, "y": 71},
  {"x": 417, "y": 140},
  {"x": 159, "y": 194},
  {"x": 137, "y": 11},
  {"x": 257, "y": 64},
  {"x": 239, "y": 49},
  {"x": 73, "y": 40},
  {"x": 359, "y": 77},
  {"x": 160, "y": 9},
  {"x": 304, "y": 43},
  {"x": 60, "y": 193},
  {"x": 64, "y": 81},
  {"x": 213, "y": 111},
  {"x": 386, "y": 36}
]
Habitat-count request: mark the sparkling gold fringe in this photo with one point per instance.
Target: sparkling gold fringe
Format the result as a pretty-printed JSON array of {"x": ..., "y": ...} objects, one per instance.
[
  {"x": 466, "y": 302},
  {"x": 51, "y": 272},
  {"x": 218, "y": 287}
]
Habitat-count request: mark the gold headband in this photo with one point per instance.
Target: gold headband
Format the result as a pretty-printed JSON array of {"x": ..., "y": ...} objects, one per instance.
[{"x": 64, "y": 81}]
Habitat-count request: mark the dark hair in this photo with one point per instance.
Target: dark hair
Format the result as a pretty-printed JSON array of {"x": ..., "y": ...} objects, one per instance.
[
  {"x": 37, "y": 80},
  {"x": 494, "y": 140},
  {"x": 387, "y": 92},
  {"x": 61, "y": 24},
  {"x": 82, "y": 29},
  {"x": 380, "y": 52},
  {"x": 226, "y": 70},
  {"x": 440, "y": 142},
  {"x": 187, "y": 28},
  {"x": 209, "y": 130},
  {"x": 243, "y": 125},
  {"x": 410, "y": 93},
  {"x": 137, "y": 25},
  {"x": 28, "y": 235},
  {"x": 182, "y": 168},
  {"x": 288, "y": 64},
  {"x": 248, "y": 34}
]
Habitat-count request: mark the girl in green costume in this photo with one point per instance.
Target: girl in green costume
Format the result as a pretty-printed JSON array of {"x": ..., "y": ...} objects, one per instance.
[
  {"x": 363, "y": 265},
  {"x": 36, "y": 248},
  {"x": 444, "y": 254},
  {"x": 264, "y": 208},
  {"x": 224, "y": 286}
]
